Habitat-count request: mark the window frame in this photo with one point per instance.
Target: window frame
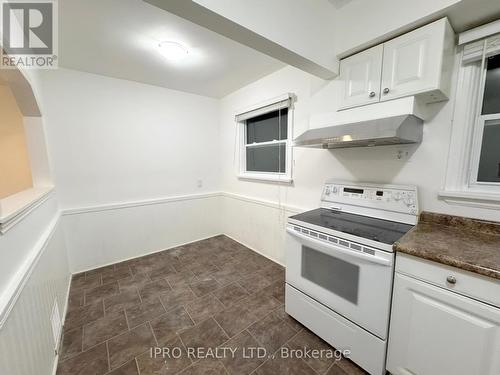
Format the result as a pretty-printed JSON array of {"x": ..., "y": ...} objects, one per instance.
[
  {"x": 477, "y": 141},
  {"x": 278, "y": 177},
  {"x": 461, "y": 183}
]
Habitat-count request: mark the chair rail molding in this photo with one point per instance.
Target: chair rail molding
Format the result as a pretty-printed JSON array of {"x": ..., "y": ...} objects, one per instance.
[{"x": 136, "y": 203}]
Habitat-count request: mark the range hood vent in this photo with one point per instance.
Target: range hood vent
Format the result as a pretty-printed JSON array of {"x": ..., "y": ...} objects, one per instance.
[{"x": 393, "y": 130}]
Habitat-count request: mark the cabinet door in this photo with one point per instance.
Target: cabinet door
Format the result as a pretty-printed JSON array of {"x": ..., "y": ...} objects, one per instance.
[
  {"x": 436, "y": 332},
  {"x": 360, "y": 78},
  {"x": 413, "y": 62}
]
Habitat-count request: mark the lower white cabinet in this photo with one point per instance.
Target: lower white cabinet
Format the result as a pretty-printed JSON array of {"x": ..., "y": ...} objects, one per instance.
[{"x": 436, "y": 331}]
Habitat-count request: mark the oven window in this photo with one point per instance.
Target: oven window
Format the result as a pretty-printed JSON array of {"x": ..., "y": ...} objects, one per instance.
[{"x": 334, "y": 274}]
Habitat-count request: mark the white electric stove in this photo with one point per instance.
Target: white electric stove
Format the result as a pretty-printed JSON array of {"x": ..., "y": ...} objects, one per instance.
[{"x": 340, "y": 265}]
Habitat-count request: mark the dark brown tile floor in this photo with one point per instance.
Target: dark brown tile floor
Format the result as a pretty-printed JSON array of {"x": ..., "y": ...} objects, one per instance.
[{"x": 209, "y": 294}]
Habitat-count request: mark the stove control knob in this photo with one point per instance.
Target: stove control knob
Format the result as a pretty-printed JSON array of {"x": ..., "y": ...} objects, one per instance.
[
  {"x": 335, "y": 190},
  {"x": 397, "y": 196},
  {"x": 409, "y": 201},
  {"x": 327, "y": 190}
]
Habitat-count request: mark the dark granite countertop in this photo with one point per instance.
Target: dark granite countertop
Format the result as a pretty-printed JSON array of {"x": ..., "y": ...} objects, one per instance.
[{"x": 469, "y": 244}]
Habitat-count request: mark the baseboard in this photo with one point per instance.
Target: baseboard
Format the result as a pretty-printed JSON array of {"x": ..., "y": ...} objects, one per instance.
[
  {"x": 256, "y": 251},
  {"x": 18, "y": 282},
  {"x": 128, "y": 204},
  {"x": 147, "y": 253},
  {"x": 66, "y": 303},
  {"x": 54, "y": 367},
  {"x": 65, "y": 311},
  {"x": 169, "y": 248}
]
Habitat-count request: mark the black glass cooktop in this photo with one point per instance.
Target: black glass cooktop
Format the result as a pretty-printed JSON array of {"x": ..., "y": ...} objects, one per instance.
[{"x": 379, "y": 230}]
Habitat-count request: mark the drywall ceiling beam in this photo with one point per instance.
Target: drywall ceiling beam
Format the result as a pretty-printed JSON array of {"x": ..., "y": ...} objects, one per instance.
[{"x": 253, "y": 36}]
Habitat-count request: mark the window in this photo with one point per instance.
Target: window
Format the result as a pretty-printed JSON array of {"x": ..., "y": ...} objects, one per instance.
[
  {"x": 485, "y": 168},
  {"x": 473, "y": 174},
  {"x": 266, "y": 139},
  {"x": 265, "y": 148},
  {"x": 491, "y": 101}
]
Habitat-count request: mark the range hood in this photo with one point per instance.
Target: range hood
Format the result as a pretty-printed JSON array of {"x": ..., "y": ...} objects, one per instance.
[{"x": 381, "y": 124}]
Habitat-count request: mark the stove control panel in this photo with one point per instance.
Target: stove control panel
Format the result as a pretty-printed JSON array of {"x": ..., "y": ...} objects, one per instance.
[{"x": 396, "y": 198}]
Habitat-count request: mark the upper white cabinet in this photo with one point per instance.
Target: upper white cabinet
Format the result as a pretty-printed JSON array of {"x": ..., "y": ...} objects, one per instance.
[
  {"x": 435, "y": 330},
  {"x": 360, "y": 76},
  {"x": 418, "y": 63}
]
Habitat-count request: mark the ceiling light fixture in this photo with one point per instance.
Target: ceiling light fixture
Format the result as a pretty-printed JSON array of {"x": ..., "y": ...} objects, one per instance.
[{"x": 172, "y": 51}]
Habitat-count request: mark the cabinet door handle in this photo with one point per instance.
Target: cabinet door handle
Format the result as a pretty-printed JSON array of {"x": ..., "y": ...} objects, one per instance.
[
  {"x": 386, "y": 90},
  {"x": 451, "y": 279},
  {"x": 372, "y": 94}
]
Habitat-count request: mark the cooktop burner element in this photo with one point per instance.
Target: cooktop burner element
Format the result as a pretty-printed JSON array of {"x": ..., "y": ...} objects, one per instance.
[
  {"x": 374, "y": 229},
  {"x": 370, "y": 214}
]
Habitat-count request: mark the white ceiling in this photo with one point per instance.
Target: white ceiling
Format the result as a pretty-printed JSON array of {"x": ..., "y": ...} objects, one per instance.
[
  {"x": 118, "y": 38},
  {"x": 468, "y": 14}
]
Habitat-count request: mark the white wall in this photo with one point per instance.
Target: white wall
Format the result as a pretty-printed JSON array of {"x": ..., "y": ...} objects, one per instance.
[
  {"x": 37, "y": 150},
  {"x": 425, "y": 167},
  {"x": 112, "y": 140},
  {"x": 120, "y": 151}
]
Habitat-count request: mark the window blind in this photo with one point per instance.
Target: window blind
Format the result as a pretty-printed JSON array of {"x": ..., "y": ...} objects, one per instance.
[
  {"x": 285, "y": 103},
  {"x": 473, "y": 52}
]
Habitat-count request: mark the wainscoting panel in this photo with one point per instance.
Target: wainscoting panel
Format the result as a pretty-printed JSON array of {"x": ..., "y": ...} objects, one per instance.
[
  {"x": 259, "y": 225},
  {"x": 27, "y": 344},
  {"x": 97, "y": 236}
]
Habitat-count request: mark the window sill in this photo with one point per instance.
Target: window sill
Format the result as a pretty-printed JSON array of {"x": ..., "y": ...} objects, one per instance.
[
  {"x": 471, "y": 199},
  {"x": 15, "y": 207},
  {"x": 266, "y": 178}
]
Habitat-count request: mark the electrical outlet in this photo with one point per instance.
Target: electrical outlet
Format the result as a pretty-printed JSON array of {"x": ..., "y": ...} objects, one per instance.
[{"x": 199, "y": 183}]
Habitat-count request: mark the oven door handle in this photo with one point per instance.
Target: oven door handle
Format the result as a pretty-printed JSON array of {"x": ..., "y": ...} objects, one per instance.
[{"x": 336, "y": 249}]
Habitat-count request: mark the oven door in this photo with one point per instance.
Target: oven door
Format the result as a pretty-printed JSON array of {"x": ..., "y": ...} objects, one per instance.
[{"x": 354, "y": 284}]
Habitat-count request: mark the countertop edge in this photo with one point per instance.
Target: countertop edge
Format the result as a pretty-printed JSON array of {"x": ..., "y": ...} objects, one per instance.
[{"x": 447, "y": 260}]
